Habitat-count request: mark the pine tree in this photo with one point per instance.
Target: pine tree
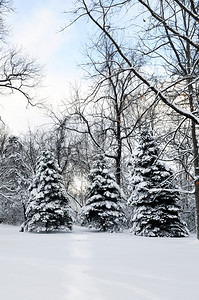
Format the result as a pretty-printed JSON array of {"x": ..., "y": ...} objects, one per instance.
[
  {"x": 14, "y": 181},
  {"x": 104, "y": 206},
  {"x": 154, "y": 197},
  {"x": 48, "y": 209}
]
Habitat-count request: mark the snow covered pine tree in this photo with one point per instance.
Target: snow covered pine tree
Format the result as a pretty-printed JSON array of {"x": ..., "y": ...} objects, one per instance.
[
  {"x": 154, "y": 199},
  {"x": 14, "y": 182},
  {"x": 48, "y": 208},
  {"x": 104, "y": 209}
]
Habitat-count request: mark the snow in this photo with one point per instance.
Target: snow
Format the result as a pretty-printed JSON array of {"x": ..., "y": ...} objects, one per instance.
[{"x": 90, "y": 265}]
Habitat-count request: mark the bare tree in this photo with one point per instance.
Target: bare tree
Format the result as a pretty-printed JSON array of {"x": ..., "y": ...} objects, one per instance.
[
  {"x": 18, "y": 72},
  {"x": 110, "y": 111}
]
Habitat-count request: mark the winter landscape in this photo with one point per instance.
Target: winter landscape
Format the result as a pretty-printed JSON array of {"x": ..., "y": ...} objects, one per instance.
[
  {"x": 101, "y": 200},
  {"x": 46, "y": 259},
  {"x": 88, "y": 265}
]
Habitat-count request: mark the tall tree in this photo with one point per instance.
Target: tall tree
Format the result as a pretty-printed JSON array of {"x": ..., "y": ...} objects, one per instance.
[
  {"x": 155, "y": 198},
  {"x": 105, "y": 110},
  {"x": 113, "y": 95},
  {"x": 104, "y": 209},
  {"x": 48, "y": 208}
]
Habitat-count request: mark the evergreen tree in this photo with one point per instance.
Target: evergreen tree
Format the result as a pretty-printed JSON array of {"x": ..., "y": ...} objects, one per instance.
[
  {"x": 48, "y": 208},
  {"x": 14, "y": 181},
  {"x": 154, "y": 198},
  {"x": 104, "y": 209}
]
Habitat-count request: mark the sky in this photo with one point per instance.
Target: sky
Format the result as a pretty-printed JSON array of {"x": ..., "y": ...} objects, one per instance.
[{"x": 35, "y": 26}]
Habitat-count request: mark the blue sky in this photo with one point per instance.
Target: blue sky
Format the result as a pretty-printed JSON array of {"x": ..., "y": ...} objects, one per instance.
[{"x": 35, "y": 26}]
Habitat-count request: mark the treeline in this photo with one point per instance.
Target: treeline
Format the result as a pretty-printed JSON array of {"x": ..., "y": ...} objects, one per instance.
[{"x": 150, "y": 197}]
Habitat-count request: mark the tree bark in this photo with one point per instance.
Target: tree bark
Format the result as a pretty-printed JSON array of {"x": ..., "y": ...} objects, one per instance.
[{"x": 196, "y": 166}]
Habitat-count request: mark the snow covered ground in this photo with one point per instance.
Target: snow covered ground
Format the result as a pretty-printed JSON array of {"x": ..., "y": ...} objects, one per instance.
[{"x": 88, "y": 265}]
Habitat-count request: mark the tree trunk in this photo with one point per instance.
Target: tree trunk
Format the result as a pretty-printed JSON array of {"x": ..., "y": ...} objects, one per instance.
[
  {"x": 195, "y": 157},
  {"x": 119, "y": 152},
  {"x": 196, "y": 167},
  {"x": 197, "y": 207}
]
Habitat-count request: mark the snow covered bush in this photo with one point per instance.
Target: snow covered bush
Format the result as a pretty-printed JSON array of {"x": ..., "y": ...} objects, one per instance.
[
  {"x": 48, "y": 208},
  {"x": 154, "y": 199},
  {"x": 104, "y": 209}
]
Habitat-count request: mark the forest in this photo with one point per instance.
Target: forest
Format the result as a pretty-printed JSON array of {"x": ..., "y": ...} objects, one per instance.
[{"x": 124, "y": 153}]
